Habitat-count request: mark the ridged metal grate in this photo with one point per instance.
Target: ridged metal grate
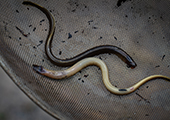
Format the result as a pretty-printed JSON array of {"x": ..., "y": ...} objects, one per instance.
[{"x": 141, "y": 28}]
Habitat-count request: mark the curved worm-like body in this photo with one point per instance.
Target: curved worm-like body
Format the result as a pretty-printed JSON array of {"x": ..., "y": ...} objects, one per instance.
[
  {"x": 94, "y": 61},
  {"x": 88, "y": 53}
]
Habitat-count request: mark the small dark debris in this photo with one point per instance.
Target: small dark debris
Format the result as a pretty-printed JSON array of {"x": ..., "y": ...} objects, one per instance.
[
  {"x": 73, "y": 10},
  {"x": 119, "y": 2},
  {"x": 100, "y": 58},
  {"x": 163, "y": 57},
  {"x": 19, "y": 38},
  {"x": 168, "y": 65},
  {"x": 42, "y": 60},
  {"x": 41, "y": 41},
  {"x": 80, "y": 71},
  {"x": 76, "y": 31},
  {"x": 17, "y": 11},
  {"x": 21, "y": 31},
  {"x": 142, "y": 98},
  {"x": 63, "y": 41},
  {"x": 34, "y": 47},
  {"x": 10, "y": 37},
  {"x": 157, "y": 66},
  {"x": 76, "y": 4},
  {"x": 94, "y": 27},
  {"x": 69, "y": 36},
  {"x": 42, "y": 20},
  {"x": 82, "y": 81},
  {"x": 100, "y": 111},
  {"x": 100, "y": 37},
  {"x": 88, "y": 93},
  {"x": 126, "y": 15},
  {"x": 90, "y": 21},
  {"x": 45, "y": 29},
  {"x": 86, "y": 75},
  {"x": 27, "y": 8},
  {"x": 20, "y": 44},
  {"x": 30, "y": 26},
  {"x": 79, "y": 78},
  {"x": 161, "y": 17},
  {"x": 4, "y": 22},
  {"x": 147, "y": 86},
  {"x": 34, "y": 29},
  {"x": 115, "y": 38},
  {"x": 146, "y": 114},
  {"x": 60, "y": 52}
]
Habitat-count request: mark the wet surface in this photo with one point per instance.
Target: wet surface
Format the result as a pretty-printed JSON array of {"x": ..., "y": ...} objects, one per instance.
[{"x": 141, "y": 28}]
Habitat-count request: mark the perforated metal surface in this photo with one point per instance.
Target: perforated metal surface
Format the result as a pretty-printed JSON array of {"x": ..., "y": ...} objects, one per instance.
[{"x": 141, "y": 28}]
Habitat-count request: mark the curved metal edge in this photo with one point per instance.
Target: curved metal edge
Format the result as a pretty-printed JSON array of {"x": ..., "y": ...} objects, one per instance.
[{"x": 24, "y": 89}]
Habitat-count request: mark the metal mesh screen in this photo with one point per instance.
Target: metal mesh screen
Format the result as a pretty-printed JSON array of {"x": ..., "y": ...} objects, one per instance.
[{"x": 141, "y": 28}]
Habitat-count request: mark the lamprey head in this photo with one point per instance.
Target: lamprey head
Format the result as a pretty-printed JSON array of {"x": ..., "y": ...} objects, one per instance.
[
  {"x": 38, "y": 69},
  {"x": 131, "y": 64}
]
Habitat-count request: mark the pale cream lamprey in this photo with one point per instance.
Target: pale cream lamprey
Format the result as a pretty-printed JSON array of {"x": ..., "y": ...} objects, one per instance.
[{"x": 94, "y": 61}]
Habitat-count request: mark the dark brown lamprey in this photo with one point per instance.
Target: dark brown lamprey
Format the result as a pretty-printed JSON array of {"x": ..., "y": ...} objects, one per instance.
[{"x": 88, "y": 53}]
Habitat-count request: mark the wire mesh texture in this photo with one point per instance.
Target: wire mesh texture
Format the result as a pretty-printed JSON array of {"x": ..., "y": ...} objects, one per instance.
[
  {"x": 141, "y": 28},
  {"x": 15, "y": 105}
]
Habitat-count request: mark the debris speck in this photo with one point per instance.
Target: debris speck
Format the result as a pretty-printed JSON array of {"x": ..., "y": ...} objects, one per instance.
[
  {"x": 34, "y": 29},
  {"x": 86, "y": 75},
  {"x": 17, "y": 11},
  {"x": 60, "y": 52},
  {"x": 100, "y": 37},
  {"x": 115, "y": 38},
  {"x": 76, "y": 31},
  {"x": 42, "y": 20},
  {"x": 157, "y": 66},
  {"x": 69, "y": 36},
  {"x": 90, "y": 21},
  {"x": 94, "y": 27},
  {"x": 163, "y": 57}
]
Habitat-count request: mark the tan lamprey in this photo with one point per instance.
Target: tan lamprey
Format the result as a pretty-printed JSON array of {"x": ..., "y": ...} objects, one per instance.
[{"x": 94, "y": 61}]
